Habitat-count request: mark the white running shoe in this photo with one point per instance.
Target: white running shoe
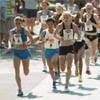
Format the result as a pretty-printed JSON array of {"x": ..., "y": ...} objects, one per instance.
[{"x": 67, "y": 89}]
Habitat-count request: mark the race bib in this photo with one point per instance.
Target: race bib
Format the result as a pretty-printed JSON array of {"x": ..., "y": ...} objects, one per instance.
[
  {"x": 88, "y": 28},
  {"x": 17, "y": 39},
  {"x": 68, "y": 34},
  {"x": 44, "y": 18},
  {"x": 51, "y": 44}
]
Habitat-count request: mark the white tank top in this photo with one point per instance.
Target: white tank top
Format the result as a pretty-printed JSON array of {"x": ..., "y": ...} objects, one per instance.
[{"x": 52, "y": 42}]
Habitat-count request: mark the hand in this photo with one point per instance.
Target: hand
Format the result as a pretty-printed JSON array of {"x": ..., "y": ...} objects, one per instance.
[
  {"x": 39, "y": 42},
  {"x": 61, "y": 38},
  {"x": 44, "y": 25},
  {"x": 9, "y": 50},
  {"x": 37, "y": 22}
]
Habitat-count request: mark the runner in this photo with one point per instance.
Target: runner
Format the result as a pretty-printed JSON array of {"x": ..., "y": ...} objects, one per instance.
[
  {"x": 65, "y": 31},
  {"x": 91, "y": 22},
  {"x": 79, "y": 48},
  {"x": 18, "y": 37},
  {"x": 51, "y": 48}
]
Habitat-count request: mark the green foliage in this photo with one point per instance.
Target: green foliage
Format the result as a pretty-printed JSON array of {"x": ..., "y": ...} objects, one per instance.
[{"x": 80, "y": 3}]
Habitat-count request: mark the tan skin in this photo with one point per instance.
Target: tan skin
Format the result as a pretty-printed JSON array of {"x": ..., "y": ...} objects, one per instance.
[
  {"x": 23, "y": 46},
  {"x": 67, "y": 19}
]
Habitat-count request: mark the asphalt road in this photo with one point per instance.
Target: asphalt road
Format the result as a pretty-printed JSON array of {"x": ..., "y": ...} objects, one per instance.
[{"x": 8, "y": 88}]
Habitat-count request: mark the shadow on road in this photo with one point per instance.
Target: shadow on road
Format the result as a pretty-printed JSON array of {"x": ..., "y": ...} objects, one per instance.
[{"x": 31, "y": 96}]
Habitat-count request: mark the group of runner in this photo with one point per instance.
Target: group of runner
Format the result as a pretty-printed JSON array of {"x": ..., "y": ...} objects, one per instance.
[
  {"x": 69, "y": 35},
  {"x": 65, "y": 35}
]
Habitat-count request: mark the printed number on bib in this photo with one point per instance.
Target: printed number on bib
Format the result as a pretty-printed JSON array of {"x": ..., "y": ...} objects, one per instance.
[
  {"x": 88, "y": 28},
  {"x": 52, "y": 43},
  {"x": 44, "y": 18},
  {"x": 17, "y": 39},
  {"x": 68, "y": 34}
]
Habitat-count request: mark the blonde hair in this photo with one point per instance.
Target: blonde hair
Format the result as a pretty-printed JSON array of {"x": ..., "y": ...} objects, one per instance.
[
  {"x": 89, "y": 4},
  {"x": 66, "y": 13}
]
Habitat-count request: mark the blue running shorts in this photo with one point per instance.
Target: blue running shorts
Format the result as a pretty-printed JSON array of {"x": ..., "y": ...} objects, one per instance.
[
  {"x": 50, "y": 52},
  {"x": 22, "y": 54}
]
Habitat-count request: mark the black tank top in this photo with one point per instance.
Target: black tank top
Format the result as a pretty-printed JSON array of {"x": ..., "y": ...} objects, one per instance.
[
  {"x": 93, "y": 21},
  {"x": 71, "y": 27}
]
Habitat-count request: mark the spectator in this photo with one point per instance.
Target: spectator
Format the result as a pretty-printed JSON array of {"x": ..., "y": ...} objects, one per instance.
[
  {"x": 62, "y": 1},
  {"x": 10, "y": 16},
  {"x": 96, "y": 3},
  {"x": 2, "y": 21},
  {"x": 72, "y": 7},
  {"x": 30, "y": 13}
]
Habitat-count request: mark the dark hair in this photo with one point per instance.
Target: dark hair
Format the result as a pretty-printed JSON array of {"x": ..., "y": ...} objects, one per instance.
[
  {"x": 50, "y": 19},
  {"x": 45, "y": 1}
]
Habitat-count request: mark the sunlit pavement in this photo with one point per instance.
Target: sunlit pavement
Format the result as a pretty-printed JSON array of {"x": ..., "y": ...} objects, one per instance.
[{"x": 88, "y": 89}]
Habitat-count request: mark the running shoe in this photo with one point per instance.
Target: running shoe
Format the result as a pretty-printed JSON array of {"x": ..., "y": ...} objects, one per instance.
[
  {"x": 54, "y": 84},
  {"x": 95, "y": 59},
  {"x": 80, "y": 79},
  {"x": 88, "y": 72},
  {"x": 76, "y": 72},
  {"x": 44, "y": 69},
  {"x": 57, "y": 75},
  {"x": 67, "y": 89},
  {"x": 20, "y": 93}
]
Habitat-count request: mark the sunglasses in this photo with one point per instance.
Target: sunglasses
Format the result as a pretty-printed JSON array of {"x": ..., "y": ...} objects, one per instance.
[{"x": 18, "y": 23}]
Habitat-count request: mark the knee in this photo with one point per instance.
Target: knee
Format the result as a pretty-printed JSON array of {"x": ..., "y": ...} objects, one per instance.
[
  {"x": 62, "y": 69},
  {"x": 26, "y": 72}
]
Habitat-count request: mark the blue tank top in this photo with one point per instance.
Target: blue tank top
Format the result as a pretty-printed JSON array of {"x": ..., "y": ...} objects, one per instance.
[
  {"x": 48, "y": 13},
  {"x": 22, "y": 33}
]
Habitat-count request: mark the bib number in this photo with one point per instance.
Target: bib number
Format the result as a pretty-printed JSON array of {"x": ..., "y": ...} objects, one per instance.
[
  {"x": 68, "y": 34},
  {"x": 17, "y": 39}
]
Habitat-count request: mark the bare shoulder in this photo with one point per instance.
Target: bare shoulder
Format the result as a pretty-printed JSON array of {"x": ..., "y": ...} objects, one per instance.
[{"x": 11, "y": 30}]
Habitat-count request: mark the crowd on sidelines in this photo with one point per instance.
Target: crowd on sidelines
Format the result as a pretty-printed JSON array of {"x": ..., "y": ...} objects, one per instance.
[{"x": 65, "y": 35}]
